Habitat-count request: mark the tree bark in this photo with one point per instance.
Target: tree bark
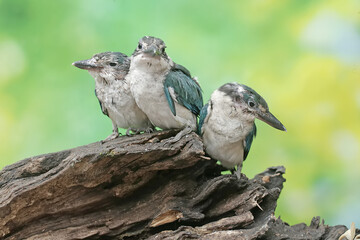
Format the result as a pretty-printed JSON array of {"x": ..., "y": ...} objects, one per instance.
[{"x": 143, "y": 187}]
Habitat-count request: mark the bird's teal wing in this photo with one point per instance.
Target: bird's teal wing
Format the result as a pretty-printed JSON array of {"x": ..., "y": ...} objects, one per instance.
[
  {"x": 203, "y": 114},
  {"x": 183, "y": 69},
  {"x": 180, "y": 87},
  {"x": 248, "y": 141}
]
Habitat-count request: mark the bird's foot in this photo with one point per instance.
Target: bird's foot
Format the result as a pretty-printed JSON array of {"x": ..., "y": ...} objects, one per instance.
[
  {"x": 149, "y": 130},
  {"x": 187, "y": 130},
  {"x": 238, "y": 171},
  {"x": 139, "y": 130},
  {"x": 135, "y": 131},
  {"x": 110, "y": 137},
  {"x": 238, "y": 174}
]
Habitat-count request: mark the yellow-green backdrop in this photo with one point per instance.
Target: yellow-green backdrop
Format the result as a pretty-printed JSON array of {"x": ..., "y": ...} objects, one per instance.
[{"x": 302, "y": 56}]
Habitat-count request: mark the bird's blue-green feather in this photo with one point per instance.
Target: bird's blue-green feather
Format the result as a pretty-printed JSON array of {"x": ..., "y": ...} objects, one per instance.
[
  {"x": 248, "y": 141},
  {"x": 183, "y": 69},
  {"x": 187, "y": 90},
  {"x": 203, "y": 114}
]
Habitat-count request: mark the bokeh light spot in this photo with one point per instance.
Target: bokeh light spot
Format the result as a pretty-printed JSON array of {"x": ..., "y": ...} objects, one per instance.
[
  {"x": 346, "y": 145},
  {"x": 12, "y": 60}
]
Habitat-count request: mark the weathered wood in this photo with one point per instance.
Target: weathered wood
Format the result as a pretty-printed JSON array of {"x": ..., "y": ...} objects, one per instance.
[{"x": 142, "y": 187}]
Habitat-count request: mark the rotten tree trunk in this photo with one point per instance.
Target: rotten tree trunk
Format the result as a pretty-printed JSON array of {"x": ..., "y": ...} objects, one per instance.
[{"x": 142, "y": 187}]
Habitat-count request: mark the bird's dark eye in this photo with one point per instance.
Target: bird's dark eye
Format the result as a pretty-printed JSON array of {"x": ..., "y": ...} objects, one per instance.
[
  {"x": 112, "y": 64},
  {"x": 139, "y": 46},
  {"x": 251, "y": 104}
]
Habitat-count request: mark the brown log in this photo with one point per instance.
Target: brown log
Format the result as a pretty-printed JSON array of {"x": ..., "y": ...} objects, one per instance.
[{"x": 142, "y": 187}]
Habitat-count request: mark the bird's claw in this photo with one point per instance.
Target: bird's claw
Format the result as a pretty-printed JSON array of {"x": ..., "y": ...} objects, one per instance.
[
  {"x": 128, "y": 131},
  {"x": 110, "y": 137},
  {"x": 149, "y": 130},
  {"x": 181, "y": 134},
  {"x": 238, "y": 171},
  {"x": 238, "y": 174},
  {"x": 138, "y": 131}
]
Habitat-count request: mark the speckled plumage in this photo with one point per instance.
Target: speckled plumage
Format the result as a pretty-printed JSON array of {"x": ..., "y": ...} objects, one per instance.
[
  {"x": 113, "y": 91},
  {"x": 162, "y": 89},
  {"x": 227, "y": 123}
]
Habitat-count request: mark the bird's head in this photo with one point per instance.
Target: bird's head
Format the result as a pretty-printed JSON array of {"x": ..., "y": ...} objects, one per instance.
[
  {"x": 250, "y": 103},
  {"x": 150, "y": 53},
  {"x": 151, "y": 47},
  {"x": 106, "y": 64}
]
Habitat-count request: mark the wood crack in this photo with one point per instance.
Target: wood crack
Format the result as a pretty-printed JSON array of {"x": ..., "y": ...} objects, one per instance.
[{"x": 142, "y": 187}]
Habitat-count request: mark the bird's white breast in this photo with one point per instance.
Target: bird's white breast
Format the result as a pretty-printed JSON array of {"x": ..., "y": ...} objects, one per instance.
[
  {"x": 225, "y": 130},
  {"x": 116, "y": 97},
  {"x": 146, "y": 77}
]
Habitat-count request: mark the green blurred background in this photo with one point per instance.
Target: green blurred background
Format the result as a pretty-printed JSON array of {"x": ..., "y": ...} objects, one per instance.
[{"x": 303, "y": 57}]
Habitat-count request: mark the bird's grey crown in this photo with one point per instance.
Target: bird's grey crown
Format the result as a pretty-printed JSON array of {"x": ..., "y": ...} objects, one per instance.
[
  {"x": 117, "y": 61},
  {"x": 148, "y": 41},
  {"x": 107, "y": 57},
  {"x": 239, "y": 92}
]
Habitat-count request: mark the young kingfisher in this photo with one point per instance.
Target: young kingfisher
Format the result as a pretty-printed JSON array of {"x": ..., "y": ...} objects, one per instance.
[
  {"x": 164, "y": 90},
  {"x": 227, "y": 123},
  {"x": 113, "y": 92}
]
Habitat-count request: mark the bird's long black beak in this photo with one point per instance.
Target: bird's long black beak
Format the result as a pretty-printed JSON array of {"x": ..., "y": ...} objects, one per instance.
[
  {"x": 270, "y": 119},
  {"x": 153, "y": 51},
  {"x": 85, "y": 64}
]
